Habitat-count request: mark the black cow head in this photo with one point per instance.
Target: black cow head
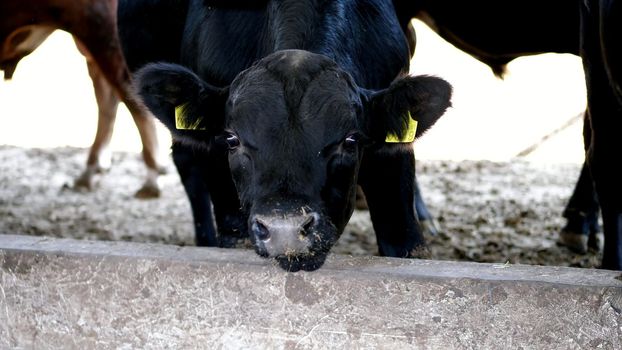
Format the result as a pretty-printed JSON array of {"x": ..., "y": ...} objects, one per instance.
[{"x": 295, "y": 126}]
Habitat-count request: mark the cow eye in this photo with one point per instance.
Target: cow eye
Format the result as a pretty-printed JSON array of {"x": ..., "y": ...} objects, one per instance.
[
  {"x": 232, "y": 141},
  {"x": 351, "y": 141}
]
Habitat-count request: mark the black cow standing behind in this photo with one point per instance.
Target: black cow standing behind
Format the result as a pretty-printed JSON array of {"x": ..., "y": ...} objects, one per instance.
[
  {"x": 498, "y": 33},
  {"x": 495, "y": 34},
  {"x": 289, "y": 104}
]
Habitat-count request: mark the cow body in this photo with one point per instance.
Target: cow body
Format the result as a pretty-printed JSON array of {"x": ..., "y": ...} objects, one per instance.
[
  {"x": 526, "y": 28},
  {"x": 496, "y": 36},
  {"x": 468, "y": 27},
  {"x": 497, "y": 33},
  {"x": 24, "y": 25},
  {"x": 304, "y": 105}
]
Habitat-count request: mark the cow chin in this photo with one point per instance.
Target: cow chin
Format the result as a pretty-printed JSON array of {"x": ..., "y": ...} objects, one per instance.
[{"x": 306, "y": 262}]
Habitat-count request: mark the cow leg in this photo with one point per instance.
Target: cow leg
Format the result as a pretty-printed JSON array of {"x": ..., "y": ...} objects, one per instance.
[
  {"x": 230, "y": 219},
  {"x": 605, "y": 110},
  {"x": 387, "y": 178},
  {"x": 582, "y": 229},
  {"x": 99, "y": 158},
  {"x": 105, "y": 49},
  {"x": 192, "y": 168},
  {"x": 208, "y": 184},
  {"x": 145, "y": 124},
  {"x": 428, "y": 224}
]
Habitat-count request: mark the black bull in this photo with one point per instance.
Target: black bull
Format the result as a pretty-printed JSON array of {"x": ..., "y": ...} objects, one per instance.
[
  {"x": 310, "y": 96},
  {"x": 496, "y": 36}
]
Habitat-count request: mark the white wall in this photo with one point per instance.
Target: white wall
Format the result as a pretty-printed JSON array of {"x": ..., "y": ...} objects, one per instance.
[{"x": 50, "y": 103}]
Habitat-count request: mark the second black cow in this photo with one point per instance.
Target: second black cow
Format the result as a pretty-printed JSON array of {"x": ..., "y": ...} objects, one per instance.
[
  {"x": 280, "y": 109},
  {"x": 498, "y": 33}
]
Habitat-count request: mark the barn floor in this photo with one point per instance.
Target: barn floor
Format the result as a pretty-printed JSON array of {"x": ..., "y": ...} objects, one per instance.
[{"x": 487, "y": 211}]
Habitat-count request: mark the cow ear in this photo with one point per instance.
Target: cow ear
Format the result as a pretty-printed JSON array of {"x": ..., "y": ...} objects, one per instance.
[
  {"x": 191, "y": 109},
  {"x": 422, "y": 98}
]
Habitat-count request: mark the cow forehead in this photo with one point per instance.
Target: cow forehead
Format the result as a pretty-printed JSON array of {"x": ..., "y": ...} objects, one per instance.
[{"x": 263, "y": 104}]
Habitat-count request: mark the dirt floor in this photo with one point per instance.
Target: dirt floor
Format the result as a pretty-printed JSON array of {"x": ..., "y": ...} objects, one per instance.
[{"x": 487, "y": 212}]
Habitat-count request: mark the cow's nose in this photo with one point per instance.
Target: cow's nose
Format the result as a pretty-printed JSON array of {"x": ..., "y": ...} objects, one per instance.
[
  {"x": 286, "y": 227},
  {"x": 260, "y": 230}
]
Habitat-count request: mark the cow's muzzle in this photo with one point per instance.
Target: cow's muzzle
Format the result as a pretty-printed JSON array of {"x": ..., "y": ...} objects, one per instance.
[{"x": 298, "y": 239}]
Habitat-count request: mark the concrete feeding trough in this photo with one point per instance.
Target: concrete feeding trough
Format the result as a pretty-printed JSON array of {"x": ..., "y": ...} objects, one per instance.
[{"x": 60, "y": 293}]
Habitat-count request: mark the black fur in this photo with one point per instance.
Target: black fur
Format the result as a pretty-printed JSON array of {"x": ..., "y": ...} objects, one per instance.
[
  {"x": 601, "y": 23},
  {"x": 151, "y": 30},
  {"x": 496, "y": 35},
  {"x": 296, "y": 122}
]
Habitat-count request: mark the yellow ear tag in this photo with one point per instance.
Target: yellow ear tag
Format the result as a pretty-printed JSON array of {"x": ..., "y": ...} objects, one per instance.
[
  {"x": 182, "y": 123},
  {"x": 409, "y": 136}
]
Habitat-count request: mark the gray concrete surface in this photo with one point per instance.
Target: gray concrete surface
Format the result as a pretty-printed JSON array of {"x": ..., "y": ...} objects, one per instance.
[{"x": 90, "y": 294}]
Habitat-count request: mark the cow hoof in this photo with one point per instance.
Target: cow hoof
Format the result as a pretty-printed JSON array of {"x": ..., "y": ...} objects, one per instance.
[
  {"x": 429, "y": 227},
  {"x": 596, "y": 241},
  {"x": 576, "y": 242},
  {"x": 148, "y": 191},
  {"x": 85, "y": 182},
  {"x": 150, "y": 188}
]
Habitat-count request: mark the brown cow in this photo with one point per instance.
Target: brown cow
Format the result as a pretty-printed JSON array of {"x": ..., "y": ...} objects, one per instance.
[{"x": 25, "y": 24}]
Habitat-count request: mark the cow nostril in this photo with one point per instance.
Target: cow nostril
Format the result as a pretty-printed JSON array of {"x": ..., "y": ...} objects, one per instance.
[
  {"x": 260, "y": 230},
  {"x": 307, "y": 225}
]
